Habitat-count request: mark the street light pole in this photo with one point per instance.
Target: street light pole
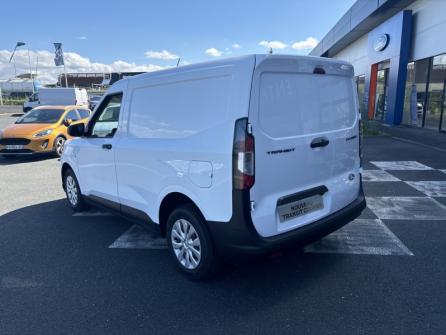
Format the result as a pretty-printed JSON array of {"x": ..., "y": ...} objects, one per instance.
[
  {"x": 65, "y": 74},
  {"x": 15, "y": 68},
  {"x": 30, "y": 70}
]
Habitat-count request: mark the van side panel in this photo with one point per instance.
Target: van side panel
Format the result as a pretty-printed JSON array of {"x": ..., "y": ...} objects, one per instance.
[{"x": 179, "y": 136}]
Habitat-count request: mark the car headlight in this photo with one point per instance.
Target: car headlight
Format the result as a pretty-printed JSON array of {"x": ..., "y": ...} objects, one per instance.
[{"x": 43, "y": 133}]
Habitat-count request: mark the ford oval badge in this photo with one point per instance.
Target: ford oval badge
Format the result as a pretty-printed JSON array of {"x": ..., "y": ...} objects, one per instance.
[{"x": 381, "y": 42}]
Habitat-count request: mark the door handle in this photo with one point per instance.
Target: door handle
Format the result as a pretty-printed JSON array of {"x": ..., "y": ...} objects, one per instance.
[
  {"x": 106, "y": 146},
  {"x": 319, "y": 142}
]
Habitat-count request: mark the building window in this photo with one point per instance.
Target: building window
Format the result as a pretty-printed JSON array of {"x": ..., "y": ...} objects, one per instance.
[
  {"x": 415, "y": 95},
  {"x": 360, "y": 82},
  {"x": 435, "y": 98}
]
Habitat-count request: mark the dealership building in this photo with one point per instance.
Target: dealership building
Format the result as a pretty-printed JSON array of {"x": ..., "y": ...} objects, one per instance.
[{"x": 398, "y": 50}]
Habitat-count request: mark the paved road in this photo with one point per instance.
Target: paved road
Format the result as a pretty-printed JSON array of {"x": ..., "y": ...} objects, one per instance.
[
  {"x": 11, "y": 109},
  {"x": 98, "y": 274}
]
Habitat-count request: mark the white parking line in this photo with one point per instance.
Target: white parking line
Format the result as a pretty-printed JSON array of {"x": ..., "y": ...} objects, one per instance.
[
  {"x": 406, "y": 208},
  {"x": 361, "y": 237},
  {"x": 14, "y": 282},
  {"x": 377, "y": 175},
  {"x": 430, "y": 188},
  {"x": 93, "y": 213},
  {"x": 401, "y": 165},
  {"x": 138, "y": 238}
]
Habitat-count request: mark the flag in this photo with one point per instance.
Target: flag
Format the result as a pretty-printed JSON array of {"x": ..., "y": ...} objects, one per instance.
[
  {"x": 19, "y": 44},
  {"x": 58, "y": 54}
]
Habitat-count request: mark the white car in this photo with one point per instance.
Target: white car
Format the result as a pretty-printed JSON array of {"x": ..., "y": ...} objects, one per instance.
[{"x": 238, "y": 156}]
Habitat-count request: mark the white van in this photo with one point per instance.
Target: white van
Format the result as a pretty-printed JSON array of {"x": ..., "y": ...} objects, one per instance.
[
  {"x": 241, "y": 155},
  {"x": 57, "y": 96}
]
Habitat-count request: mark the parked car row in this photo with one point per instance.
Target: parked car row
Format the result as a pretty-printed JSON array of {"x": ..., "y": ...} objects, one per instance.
[{"x": 47, "y": 115}]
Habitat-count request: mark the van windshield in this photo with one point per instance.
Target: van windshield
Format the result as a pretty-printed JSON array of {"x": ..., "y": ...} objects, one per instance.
[
  {"x": 41, "y": 116},
  {"x": 293, "y": 104}
]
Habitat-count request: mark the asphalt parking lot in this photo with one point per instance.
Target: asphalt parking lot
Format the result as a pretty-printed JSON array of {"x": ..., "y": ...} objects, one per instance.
[{"x": 96, "y": 273}]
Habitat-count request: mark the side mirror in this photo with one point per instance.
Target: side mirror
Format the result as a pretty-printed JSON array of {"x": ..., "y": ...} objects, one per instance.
[
  {"x": 67, "y": 122},
  {"x": 76, "y": 130}
]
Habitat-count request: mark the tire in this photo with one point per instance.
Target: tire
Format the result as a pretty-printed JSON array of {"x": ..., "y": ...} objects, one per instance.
[
  {"x": 58, "y": 145},
  {"x": 197, "y": 260},
  {"x": 73, "y": 192}
]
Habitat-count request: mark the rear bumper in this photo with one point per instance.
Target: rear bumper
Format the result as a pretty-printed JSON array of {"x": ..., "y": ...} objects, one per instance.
[{"x": 239, "y": 236}]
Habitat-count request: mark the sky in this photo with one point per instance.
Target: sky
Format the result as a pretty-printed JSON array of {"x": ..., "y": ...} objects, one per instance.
[{"x": 149, "y": 35}]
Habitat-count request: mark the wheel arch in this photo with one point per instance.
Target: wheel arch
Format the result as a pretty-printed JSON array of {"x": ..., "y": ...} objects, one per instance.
[
  {"x": 60, "y": 135},
  {"x": 63, "y": 170},
  {"x": 169, "y": 203}
]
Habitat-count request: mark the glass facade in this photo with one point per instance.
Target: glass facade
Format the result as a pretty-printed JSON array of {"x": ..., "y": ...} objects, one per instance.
[
  {"x": 382, "y": 86},
  {"x": 435, "y": 92},
  {"x": 424, "y": 100},
  {"x": 360, "y": 82}
]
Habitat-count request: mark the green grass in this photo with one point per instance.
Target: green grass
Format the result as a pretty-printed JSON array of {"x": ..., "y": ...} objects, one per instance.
[
  {"x": 16, "y": 101},
  {"x": 369, "y": 129}
]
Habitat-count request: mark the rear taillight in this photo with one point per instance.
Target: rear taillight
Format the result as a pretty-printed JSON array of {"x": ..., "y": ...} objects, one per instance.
[{"x": 243, "y": 156}]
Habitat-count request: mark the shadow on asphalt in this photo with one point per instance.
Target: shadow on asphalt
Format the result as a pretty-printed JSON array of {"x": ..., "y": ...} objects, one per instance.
[
  {"x": 289, "y": 269},
  {"x": 11, "y": 160}
]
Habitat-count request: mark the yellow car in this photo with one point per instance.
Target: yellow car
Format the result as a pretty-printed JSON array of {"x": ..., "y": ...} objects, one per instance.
[{"x": 42, "y": 130}]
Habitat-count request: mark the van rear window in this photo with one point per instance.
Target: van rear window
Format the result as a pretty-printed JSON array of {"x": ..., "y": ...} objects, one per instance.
[{"x": 293, "y": 104}]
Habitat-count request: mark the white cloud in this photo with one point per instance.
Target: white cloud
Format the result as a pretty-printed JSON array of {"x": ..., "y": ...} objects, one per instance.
[
  {"x": 236, "y": 46},
  {"x": 273, "y": 44},
  {"x": 82, "y": 38},
  {"x": 48, "y": 72},
  {"x": 164, "y": 55},
  {"x": 308, "y": 43},
  {"x": 213, "y": 52}
]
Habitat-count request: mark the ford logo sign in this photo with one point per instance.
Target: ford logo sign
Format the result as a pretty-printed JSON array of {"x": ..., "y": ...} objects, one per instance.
[{"x": 381, "y": 42}]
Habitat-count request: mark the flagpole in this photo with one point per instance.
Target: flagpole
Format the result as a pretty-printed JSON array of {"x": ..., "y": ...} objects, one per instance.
[
  {"x": 65, "y": 71},
  {"x": 37, "y": 64},
  {"x": 15, "y": 69},
  {"x": 30, "y": 70}
]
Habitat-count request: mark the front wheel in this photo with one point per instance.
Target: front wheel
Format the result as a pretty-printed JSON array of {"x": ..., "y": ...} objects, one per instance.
[
  {"x": 190, "y": 243},
  {"x": 73, "y": 192},
  {"x": 59, "y": 143}
]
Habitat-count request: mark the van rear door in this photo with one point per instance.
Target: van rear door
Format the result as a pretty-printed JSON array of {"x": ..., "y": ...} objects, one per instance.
[{"x": 304, "y": 118}]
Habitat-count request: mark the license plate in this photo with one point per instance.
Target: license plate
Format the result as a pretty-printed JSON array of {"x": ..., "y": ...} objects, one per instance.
[
  {"x": 14, "y": 147},
  {"x": 301, "y": 207}
]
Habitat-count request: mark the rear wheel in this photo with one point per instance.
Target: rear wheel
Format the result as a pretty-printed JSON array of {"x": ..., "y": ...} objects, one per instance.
[
  {"x": 73, "y": 192},
  {"x": 59, "y": 143},
  {"x": 190, "y": 243}
]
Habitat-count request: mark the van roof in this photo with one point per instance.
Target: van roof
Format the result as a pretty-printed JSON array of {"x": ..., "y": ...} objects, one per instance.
[{"x": 258, "y": 58}]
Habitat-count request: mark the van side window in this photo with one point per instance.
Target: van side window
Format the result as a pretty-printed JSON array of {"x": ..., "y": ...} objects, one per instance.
[{"x": 105, "y": 121}]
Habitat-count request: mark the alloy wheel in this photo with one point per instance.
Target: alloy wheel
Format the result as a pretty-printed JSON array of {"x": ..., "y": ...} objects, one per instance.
[
  {"x": 59, "y": 146},
  {"x": 71, "y": 188},
  {"x": 186, "y": 244}
]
